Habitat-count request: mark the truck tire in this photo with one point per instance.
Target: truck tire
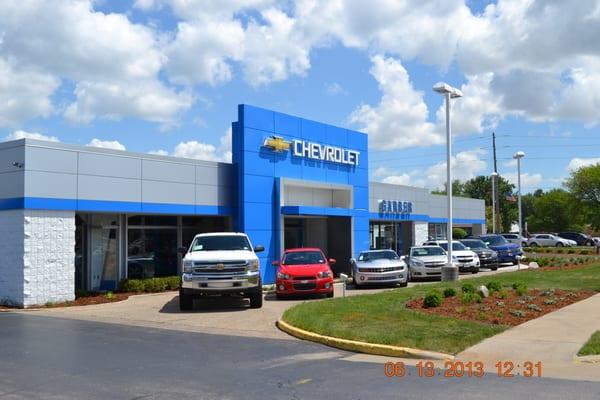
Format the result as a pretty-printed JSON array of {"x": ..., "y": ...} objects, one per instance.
[
  {"x": 256, "y": 299},
  {"x": 186, "y": 301}
]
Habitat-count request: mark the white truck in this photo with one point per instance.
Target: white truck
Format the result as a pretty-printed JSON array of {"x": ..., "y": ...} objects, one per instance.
[{"x": 223, "y": 263}]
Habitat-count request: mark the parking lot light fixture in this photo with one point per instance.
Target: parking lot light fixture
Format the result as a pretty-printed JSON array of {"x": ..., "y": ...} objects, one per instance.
[
  {"x": 517, "y": 156},
  {"x": 449, "y": 271}
]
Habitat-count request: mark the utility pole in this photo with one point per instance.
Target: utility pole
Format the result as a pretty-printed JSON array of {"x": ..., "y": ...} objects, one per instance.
[{"x": 495, "y": 202}]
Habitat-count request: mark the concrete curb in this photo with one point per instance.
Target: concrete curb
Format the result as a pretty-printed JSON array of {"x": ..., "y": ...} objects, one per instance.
[
  {"x": 362, "y": 347},
  {"x": 595, "y": 359}
]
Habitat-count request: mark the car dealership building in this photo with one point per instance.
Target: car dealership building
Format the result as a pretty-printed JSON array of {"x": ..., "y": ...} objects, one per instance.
[{"x": 76, "y": 217}]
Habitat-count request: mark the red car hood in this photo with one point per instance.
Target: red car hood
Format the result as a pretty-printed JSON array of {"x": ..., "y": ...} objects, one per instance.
[{"x": 303, "y": 269}]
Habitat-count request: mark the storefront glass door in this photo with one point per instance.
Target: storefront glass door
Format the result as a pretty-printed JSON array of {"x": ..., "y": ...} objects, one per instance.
[{"x": 104, "y": 251}]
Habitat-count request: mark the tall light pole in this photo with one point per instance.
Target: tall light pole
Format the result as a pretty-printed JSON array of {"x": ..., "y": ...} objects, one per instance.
[
  {"x": 449, "y": 271},
  {"x": 494, "y": 176},
  {"x": 518, "y": 155}
]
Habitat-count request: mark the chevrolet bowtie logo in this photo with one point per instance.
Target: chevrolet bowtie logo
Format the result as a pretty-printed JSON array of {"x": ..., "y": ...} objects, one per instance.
[
  {"x": 220, "y": 266},
  {"x": 277, "y": 143}
]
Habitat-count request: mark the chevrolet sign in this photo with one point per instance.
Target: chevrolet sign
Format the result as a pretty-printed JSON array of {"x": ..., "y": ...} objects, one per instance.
[
  {"x": 312, "y": 150},
  {"x": 277, "y": 144}
]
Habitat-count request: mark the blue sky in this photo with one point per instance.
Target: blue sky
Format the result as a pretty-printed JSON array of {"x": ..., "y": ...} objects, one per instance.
[{"x": 174, "y": 73}]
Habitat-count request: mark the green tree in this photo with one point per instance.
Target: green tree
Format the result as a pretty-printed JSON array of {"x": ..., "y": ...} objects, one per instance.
[
  {"x": 552, "y": 211},
  {"x": 584, "y": 185},
  {"x": 457, "y": 189}
]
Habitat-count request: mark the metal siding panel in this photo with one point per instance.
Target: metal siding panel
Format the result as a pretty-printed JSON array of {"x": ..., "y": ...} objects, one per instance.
[
  {"x": 168, "y": 171},
  {"x": 50, "y": 185},
  {"x": 206, "y": 175},
  {"x": 109, "y": 165},
  {"x": 12, "y": 184},
  {"x": 50, "y": 160},
  {"x": 168, "y": 192},
  {"x": 109, "y": 188},
  {"x": 207, "y": 195},
  {"x": 10, "y": 156}
]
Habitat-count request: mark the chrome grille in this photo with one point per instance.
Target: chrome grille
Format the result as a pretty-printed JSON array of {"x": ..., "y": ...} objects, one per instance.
[
  {"x": 434, "y": 264},
  {"x": 219, "y": 267},
  {"x": 305, "y": 286},
  {"x": 304, "y": 278},
  {"x": 387, "y": 269}
]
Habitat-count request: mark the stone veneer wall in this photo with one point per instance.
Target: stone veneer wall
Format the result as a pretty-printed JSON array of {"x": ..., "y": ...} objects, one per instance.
[
  {"x": 420, "y": 233},
  {"x": 37, "y": 263}
]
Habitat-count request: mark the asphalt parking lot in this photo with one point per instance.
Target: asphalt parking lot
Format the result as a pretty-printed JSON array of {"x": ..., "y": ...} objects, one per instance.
[{"x": 214, "y": 315}]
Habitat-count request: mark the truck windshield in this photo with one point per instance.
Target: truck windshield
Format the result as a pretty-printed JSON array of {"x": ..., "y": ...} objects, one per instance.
[
  {"x": 214, "y": 243},
  {"x": 303, "y": 257}
]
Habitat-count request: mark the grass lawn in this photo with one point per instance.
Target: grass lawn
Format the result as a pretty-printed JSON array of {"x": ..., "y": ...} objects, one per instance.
[
  {"x": 383, "y": 318},
  {"x": 592, "y": 346}
]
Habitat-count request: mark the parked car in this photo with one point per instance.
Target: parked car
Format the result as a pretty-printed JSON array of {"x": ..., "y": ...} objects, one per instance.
[
  {"x": 220, "y": 264},
  {"x": 507, "y": 252},
  {"x": 580, "y": 238},
  {"x": 549, "y": 240},
  {"x": 515, "y": 238},
  {"x": 466, "y": 259},
  {"x": 488, "y": 258},
  {"x": 426, "y": 261},
  {"x": 304, "y": 271},
  {"x": 379, "y": 267}
]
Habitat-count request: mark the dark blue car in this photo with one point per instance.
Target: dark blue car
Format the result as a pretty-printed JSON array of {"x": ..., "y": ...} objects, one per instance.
[{"x": 507, "y": 252}]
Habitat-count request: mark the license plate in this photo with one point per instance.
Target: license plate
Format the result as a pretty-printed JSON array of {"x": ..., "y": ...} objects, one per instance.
[
  {"x": 220, "y": 284},
  {"x": 304, "y": 281}
]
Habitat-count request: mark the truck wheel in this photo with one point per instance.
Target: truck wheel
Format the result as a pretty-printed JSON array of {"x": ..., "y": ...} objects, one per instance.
[
  {"x": 256, "y": 299},
  {"x": 186, "y": 301}
]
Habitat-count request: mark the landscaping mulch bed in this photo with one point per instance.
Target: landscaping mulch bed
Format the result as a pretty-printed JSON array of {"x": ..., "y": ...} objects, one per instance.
[
  {"x": 512, "y": 310},
  {"x": 99, "y": 298}
]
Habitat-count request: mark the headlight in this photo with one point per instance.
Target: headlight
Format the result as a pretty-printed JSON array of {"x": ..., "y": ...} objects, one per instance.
[
  {"x": 187, "y": 266},
  {"x": 324, "y": 274},
  {"x": 253, "y": 265},
  {"x": 283, "y": 276},
  {"x": 454, "y": 259},
  {"x": 475, "y": 257},
  {"x": 417, "y": 263}
]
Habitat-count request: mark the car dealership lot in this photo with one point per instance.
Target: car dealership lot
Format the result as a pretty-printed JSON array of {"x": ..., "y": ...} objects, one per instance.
[{"x": 230, "y": 316}]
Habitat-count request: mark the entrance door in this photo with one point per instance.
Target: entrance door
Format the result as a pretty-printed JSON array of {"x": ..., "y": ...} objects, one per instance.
[
  {"x": 293, "y": 233},
  {"x": 104, "y": 252}
]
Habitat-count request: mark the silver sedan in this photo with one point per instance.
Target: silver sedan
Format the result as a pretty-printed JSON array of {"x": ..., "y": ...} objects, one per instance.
[{"x": 379, "y": 267}]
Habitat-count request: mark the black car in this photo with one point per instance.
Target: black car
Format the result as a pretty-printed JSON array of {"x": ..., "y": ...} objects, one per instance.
[
  {"x": 488, "y": 258},
  {"x": 581, "y": 238}
]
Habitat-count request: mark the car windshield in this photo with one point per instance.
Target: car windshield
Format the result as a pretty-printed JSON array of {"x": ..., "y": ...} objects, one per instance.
[
  {"x": 494, "y": 240},
  {"x": 474, "y": 244},
  {"x": 455, "y": 246},
  {"x": 303, "y": 257},
  {"x": 427, "y": 251},
  {"x": 214, "y": 243},
  {"x": 378, "y": 255}
]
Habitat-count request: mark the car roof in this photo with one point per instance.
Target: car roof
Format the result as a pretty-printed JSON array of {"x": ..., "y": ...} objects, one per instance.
[
  {"x": 221, "y": 234},
  {"x": 298, "y": 249},
  {"x": 425, "y": 246}
]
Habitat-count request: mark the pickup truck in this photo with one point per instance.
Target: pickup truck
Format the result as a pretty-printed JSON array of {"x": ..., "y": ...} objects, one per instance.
[{"x": 220, "y": 264}]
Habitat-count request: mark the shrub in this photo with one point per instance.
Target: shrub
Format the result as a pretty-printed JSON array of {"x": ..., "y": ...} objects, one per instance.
[
  {"x": 559, "y": 251},
  {"x": 518, "y": 313},
  {"x": 459, "y": 233},
  {"x": 527, "y": 249},
  {"x": 500, "y": 304},
  {"x": 584, "y": 252},
  {"x": 503, "y": 294},
  {"x": 534, "y": 307},
  {"x": 494, "y": 286},
  {"x": 468, "y": 288},
  {"x": 550, "y": 301},
  {"x": 109, "y": 295},
  {"x": 478, "y": 298},
  {"x": 467, "y": 297},
  {"x": 571, "y": 251},
  {"x": 520, "y": 288},
  {"x": 433, "y": 298},
  {"x": 449, "y": 292},
  {"x": 152, "y": 285}
]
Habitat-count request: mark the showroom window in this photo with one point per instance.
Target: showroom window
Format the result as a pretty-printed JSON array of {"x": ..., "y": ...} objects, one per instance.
[
  {"x": 437, "y": 231},
  {"x": 151, "y": 246}
]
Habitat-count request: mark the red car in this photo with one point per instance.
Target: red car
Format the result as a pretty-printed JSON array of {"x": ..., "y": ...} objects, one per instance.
[{"x": 304, "y": 271}]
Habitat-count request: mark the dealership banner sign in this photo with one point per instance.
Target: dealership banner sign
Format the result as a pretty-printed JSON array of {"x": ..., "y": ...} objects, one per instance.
[
  {"x": 313, "y": 150},
  {"x": 395, "y": 207}
]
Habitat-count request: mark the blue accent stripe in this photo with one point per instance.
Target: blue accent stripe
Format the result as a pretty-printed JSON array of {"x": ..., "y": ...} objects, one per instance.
[
  {"x": 309, "y": 210},
  {"x": 41, "y": 203}
]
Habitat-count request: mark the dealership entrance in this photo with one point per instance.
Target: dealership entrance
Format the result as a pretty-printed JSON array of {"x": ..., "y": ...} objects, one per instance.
[
  {"x": 397, "y": 236},
  {"x": 333, "y": 235}
]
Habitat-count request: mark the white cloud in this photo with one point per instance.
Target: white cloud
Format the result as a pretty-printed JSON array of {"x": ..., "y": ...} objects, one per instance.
[
  {"x": 577, "y": 163},
  {"x": 402, "y": 179},
  {"x": 24, "y": 92},
  {"x": 465, "y": 165},
  {"x": 335, "y": 89},
  {"x": 528, "y": 181},
  {"x": 19, "y": 134},
  {"x": 400, "y": 119},
  {"x": 113, "y": 62},
  {"x": 202, "y": 151},
  {"x": 106, "y": 144},
  {"x": 512, "y": 163}
]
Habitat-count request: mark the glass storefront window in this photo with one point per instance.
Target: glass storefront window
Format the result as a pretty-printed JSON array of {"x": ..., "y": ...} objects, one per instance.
[
  {"x": 437, "y": 231},
  {"x": 151, "y": 252},
  {"x": 152, "y": 220},
  {"x": 383, "y": 235}
]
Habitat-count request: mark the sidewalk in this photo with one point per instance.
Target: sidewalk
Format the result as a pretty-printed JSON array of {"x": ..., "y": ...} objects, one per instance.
[{"x": 553, "y": 339}]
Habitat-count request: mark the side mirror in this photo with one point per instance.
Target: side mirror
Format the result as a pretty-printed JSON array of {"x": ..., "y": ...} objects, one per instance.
[
  {"x": 182, "y": 250},
  {"x": 259, "y": 248},
  {"x": 275, "y": 263},
  {"x": 344, "y": 278},
  {"x": 332, "y": 261},
  {"x": 468, "y": 248},
  {"x": 403, "y": 258}
]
